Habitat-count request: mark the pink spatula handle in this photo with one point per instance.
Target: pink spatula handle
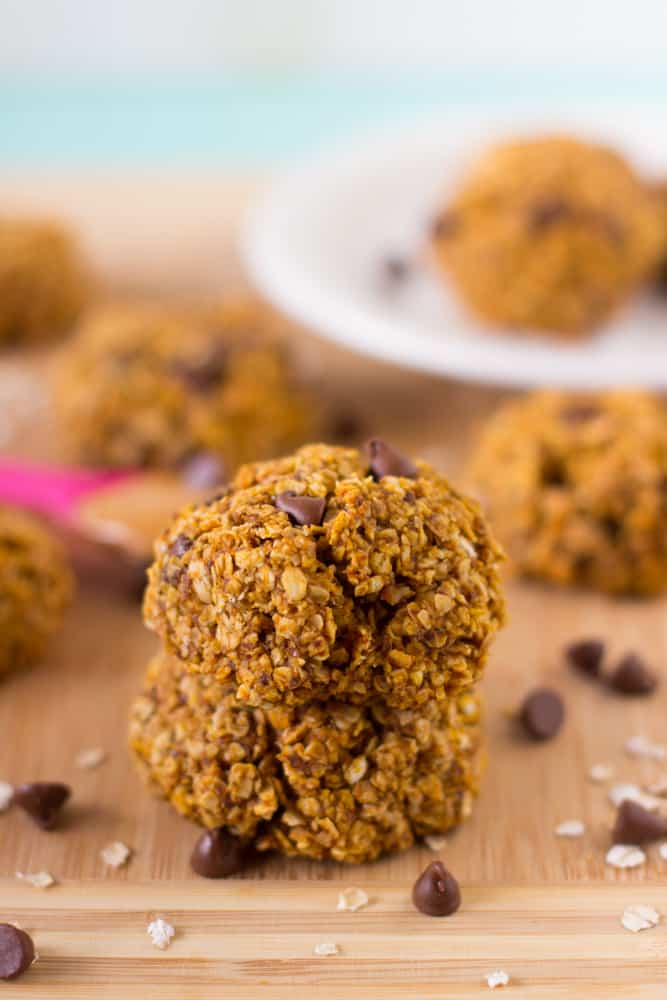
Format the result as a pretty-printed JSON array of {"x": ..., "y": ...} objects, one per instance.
[{"x": 52, "y": 490}]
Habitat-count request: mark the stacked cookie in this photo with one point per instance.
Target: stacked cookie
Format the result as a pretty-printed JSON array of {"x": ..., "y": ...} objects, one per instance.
[{"x": 324, "y": 623}]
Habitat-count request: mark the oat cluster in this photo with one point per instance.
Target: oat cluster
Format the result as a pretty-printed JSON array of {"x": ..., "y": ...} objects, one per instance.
[
  {"x": 550, "y": 234},
  {"x": 576, "y": 487},
  {"x": 148, "y": 385},
  {"x": 42, "y": 281},
  {"x": 324, "y": 625},
  {"x": 35, "y": 588}
]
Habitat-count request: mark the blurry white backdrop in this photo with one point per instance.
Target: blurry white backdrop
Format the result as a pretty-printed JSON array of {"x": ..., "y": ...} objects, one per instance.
[{"x": 72, "y": 37}]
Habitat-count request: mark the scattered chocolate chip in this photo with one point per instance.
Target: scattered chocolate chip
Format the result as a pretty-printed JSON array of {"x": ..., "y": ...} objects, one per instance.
[
  {"x": 542, "y": 714},
  {"x": 387, "y": 462},
  {"x": 548, "y": 212},
  {"x": 436, "y": 892},
  {"x": 632, "y": 676},
  {"x": 443, "y": 226},
  {"x": 202, "y": 374},
  {"x": 302, "y": 509},
  {"x": 17, "y": 952},
  {"x": 180, "y": 546},
  {"x": 636, "y": 825},
  {"x": 586, "y": 656},
  {"x": 42, "y": 800},
  {"x": 204, "y": 470},
  {"x": 395, "y": 269},
  {"x": 218, "y": 854}
]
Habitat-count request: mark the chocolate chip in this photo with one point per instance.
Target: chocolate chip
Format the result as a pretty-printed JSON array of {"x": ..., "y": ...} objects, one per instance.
[
  {"x": 387, "y": 462},
  {"x": 17, "y": 952},
  {"x": 218, "y": 854},
  {"x": 301, "y": 509},
  {"x": 42, "y": 800},
  {"x": 202, "y": 374},
  {"x": 443, "y": 226},
  {"x": 204, "y": 470},
  {"x": 548, "y": 212},
  {"x": 180, "y": 546},
  {"x": 542, "y": 714},
  {"x": 579, "y": 413},
  {"x": 636, "y": 825},
  {"x": 395, "y": 269},
  {"x": 586, "y": 656},
  {"x": 436, "y": 892},
  {"x": 632, "y": 676}
]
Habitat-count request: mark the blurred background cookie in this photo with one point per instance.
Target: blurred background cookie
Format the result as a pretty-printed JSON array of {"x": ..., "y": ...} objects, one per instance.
[
  {"x": 42, "y": 280},
  {"x": 35, "y": 588},
  {"x": 576, "y": 487},
  {"x": 157, "y": 386},
  {"x": 549, "y": 234}
]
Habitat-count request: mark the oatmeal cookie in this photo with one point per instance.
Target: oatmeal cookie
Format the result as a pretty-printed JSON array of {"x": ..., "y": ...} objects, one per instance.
[
  {"x": 42, "y": 282},
  {"x": 549, "y": 234},
  {"x": 576, "y": 487},
  {"x": 35, "y": 587},
  {"x": 322, "y": 576},
  {"x": 153, "y": 386},
  {"x": 323, "y": 780}
]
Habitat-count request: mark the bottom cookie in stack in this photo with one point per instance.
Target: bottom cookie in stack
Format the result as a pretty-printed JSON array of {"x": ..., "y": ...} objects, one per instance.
[{"x": 323, "y": 780}]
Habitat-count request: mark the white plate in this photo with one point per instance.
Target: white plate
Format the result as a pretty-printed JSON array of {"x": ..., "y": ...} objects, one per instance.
[{"x": 315, "y": 246}]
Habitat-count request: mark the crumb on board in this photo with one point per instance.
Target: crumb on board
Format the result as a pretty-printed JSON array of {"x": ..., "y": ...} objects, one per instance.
[
  {"x": 625, "y": 791},
  {"x": 640, "y": 746},
  {"x": 625, "y": 856},
  {"x": 497, "y": 978},
  {"x": 90, "y": 758},
  {"x": 600, "y": 773},
  {"x": 570, "y": 828},
  {"x": 6, "y": 795}
]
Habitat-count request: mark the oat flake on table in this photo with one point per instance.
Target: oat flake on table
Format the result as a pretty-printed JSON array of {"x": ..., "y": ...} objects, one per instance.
[
  {"x": 325, "y": 948},
  {"x": 639, "y": 918},
  {"x": 90, "y": 758},
  {"x": 436, "y": 841},
  {"x": 115, "y": 854},
  {"x": 160, "y": 933},
  {"x": 570, "y": 828},
  {"x": 625, "y": 856},
  {"x": 39, "y": 880},
  {"x": 352, "y": 900},
  {"x": 639, "y": 746},
  {"x": 600, "y": 772},
  {"x": 497, "y": 978},
  {"x": 6, "y": 795},
  {"x": 619, "y": 793}
]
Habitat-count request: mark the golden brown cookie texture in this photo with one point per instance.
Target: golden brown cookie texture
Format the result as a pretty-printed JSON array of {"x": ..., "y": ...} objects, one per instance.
[
  {"x": 42, "y": 280},
  {"x": 549, "y": 234},
  {"x": 35, "y": 587},
  {"x": 394, "y": 596},
  {"x": 155, "y": 386},
  {"x": 576, "y": 488},
  {"x": 325, "y": 780}
]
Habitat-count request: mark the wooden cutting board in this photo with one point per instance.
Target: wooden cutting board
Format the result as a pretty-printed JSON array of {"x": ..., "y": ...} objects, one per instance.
[{"x": 545, "y": 909}]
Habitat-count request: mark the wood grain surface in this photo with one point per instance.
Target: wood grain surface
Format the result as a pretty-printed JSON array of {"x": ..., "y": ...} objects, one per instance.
[{"x": 532, "y": 901}]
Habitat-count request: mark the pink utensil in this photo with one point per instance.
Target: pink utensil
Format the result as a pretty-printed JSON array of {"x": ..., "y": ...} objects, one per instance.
[{"x": 100, "y": 513}]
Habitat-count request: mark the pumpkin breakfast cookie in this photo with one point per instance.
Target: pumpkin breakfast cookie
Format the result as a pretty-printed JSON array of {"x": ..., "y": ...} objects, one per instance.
[
  {"x": 576, "y": 487},
  {"x": 157, "y": 386},
  {"x": 323, "y": 575},
  {"x": 35, "y": 588},
  {"x": 326, "y": 780},
  {"x": 549, "y": 234}
]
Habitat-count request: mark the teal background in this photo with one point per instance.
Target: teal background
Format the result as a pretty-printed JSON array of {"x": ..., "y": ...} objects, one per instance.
[{"x": 238, "y": 121}]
